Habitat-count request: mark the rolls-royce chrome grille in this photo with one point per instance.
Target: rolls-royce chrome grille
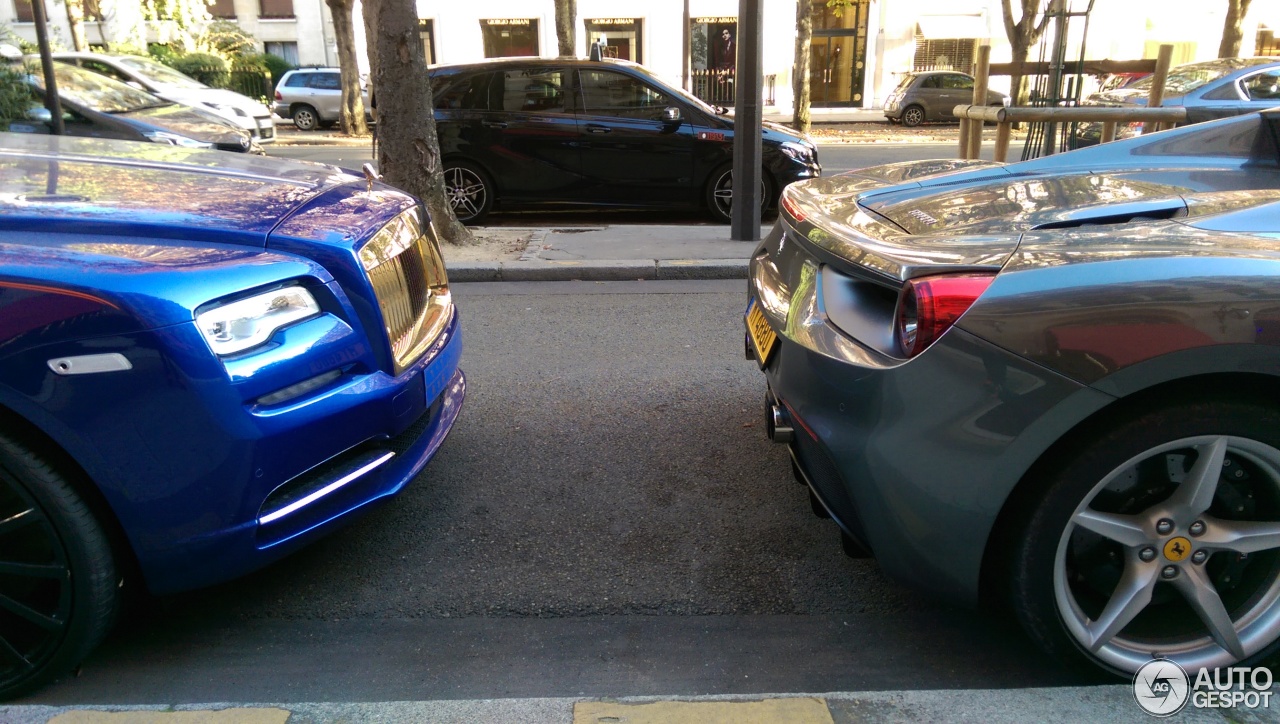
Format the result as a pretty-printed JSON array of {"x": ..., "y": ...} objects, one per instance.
[{"x": 408, "y": 278}]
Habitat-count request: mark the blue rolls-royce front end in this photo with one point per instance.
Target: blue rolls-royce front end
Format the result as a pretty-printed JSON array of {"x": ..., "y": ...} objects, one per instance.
[{"x": 234, "y": 354}]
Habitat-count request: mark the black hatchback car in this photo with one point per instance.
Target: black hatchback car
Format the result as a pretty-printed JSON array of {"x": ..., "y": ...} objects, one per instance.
[{"x": 530, "y": 131}]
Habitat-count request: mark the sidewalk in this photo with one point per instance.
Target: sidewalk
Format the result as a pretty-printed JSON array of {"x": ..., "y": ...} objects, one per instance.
[
  {"x": 615, "y": 253},
  {"x": 1098, "y": 704}
]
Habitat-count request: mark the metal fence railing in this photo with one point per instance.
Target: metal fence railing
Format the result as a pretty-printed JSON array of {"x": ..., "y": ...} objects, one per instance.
[
  {"x": 717, "y": 86},
  {"x": 252, "y": 83}
]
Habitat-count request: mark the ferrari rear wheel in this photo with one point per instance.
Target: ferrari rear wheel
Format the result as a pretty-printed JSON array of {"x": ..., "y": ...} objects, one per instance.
[
  {"x": 1160, "y": 538},
  {"x": 57, "y": 574}
]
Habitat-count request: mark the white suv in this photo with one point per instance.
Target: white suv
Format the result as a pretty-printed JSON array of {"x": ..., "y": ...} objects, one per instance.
[
  {"x": 312, "y": 97},
  {"x": 158, "y": 79}
]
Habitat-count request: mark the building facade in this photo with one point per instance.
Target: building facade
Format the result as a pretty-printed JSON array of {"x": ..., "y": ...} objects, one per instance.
[{"x": 860, "y": 49}]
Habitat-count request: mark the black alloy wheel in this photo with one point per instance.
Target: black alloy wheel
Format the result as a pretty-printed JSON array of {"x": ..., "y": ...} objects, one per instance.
[
  {"x": 58, "y": 581},
  {"x": 720, "y": 194}
]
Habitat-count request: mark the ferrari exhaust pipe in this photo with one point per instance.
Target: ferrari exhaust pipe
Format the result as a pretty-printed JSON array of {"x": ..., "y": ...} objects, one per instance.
[{"x": 778, "y": 423}]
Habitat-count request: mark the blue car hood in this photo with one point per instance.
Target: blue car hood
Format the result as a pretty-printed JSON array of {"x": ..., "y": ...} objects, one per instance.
[{"x": 78, "y": 185}]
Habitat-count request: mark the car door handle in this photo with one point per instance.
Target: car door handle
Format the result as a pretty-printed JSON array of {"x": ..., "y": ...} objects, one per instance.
[
  {"x": 593, "y": 128},
  {"x": 493, "y": 124}
]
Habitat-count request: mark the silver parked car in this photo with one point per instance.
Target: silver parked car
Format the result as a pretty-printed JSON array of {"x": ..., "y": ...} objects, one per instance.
[
  {"x": 1052, "y": 386},
  {"x": 250, "y": 116},
  {"x": 1211, "y": 89},
  {"x": 312, "y": 97},
  {"x": 931, "y": 95}
]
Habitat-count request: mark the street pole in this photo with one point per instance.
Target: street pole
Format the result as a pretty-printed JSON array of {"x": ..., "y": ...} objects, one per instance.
[
  {"x": 748, "y": 111},
  {"x": 1059, "y": 10},
  {"x": 686, "y": 51},
  {"x": 51, "y": 100}
]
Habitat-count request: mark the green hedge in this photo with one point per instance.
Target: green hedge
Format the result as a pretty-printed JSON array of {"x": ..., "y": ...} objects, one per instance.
[{"x": 208, "y": 69}]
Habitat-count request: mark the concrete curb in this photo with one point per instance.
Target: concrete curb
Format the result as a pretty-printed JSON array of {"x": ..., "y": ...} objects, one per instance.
[{"x": 596, "y": 270}]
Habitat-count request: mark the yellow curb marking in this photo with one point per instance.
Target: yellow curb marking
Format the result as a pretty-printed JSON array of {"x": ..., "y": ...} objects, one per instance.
[
  {"x": 221, "y": 716},
  {"x": 769, "y": 711}
]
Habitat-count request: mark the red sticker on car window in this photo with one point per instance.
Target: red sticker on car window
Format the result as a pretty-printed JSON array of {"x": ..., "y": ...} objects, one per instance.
[{"x": 710, "y": 136}]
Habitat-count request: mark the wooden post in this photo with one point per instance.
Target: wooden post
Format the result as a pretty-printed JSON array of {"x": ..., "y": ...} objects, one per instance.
[
  {"x": 1004, "y": 130},
  {"x": 1156, "y": 96},
  {"x": 964, "y": 138},
  {"x": 1108, "y": 132},
  {"x": 981, "y": 77}
]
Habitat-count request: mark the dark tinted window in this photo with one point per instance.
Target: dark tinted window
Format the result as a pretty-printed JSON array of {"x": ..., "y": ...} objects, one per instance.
[
  {"x": 960, "y": 82},
  {"x": 467, "y": 94},
  {"x": 539, "y": 90},
  {"x": 297, "y": 80},
  {"x": 327, "y": 81},
  {"x": 932, "y": 81},
  {"x": 605, "y": 93}
]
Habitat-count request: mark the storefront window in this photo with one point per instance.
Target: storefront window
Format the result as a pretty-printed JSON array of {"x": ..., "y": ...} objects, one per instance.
[
  {"x": 838, "y": 53},
  {"x": 509, "y": 37},
  {"x": 620, "y": 37},
  {"x": 713, "y": 43}
]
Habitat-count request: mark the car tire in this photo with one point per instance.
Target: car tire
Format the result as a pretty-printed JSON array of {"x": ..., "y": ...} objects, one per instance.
[
  {"x": 719, "y": 193},
  {"x": 1108, "y": 566},
  {"x": 305, "y": 118},
  {"x": 57, "y": 574},
  {"x": 469, "y": 190},
  {"x": 913, "y": 116}
]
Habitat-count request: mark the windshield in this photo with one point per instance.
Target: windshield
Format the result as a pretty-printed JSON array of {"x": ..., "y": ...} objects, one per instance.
[
  {"x": 1186, "y": 78},
  {"x": 157, "y": 73},
  {"x": 98, "y": 92}
]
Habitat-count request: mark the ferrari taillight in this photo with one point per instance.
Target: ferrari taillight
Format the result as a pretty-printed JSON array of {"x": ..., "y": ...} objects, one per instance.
[
  {"x": 789, "y": 205},
  {"x": 929, "y": 306}
]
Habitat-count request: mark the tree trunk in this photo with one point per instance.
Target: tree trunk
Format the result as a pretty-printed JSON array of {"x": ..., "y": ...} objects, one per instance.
[
  {"x": 1231, "y": 33},
  {"x": 408, "y": 148},
  {"x": 75, "y": 19},
  {"x": 800, "y": 83},
  {"x": 352, "y": 111},
  {"x": 369, "y": 13},
  {"x": 1016, "y": 78},
  {"x": 566, "y": 27}
]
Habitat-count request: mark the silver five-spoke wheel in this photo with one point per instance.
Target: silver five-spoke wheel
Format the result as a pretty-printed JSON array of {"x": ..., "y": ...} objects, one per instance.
[
  {"x": 1176, "y": 553},
  {"x": 468, "y": 191}
]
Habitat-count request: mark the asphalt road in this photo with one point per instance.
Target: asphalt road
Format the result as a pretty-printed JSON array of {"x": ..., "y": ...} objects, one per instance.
[{"x": 606, "y": 519}]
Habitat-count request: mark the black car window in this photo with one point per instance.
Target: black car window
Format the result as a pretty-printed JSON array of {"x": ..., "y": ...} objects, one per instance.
[
  {"x": 1263, "y": 86},
  {"x": 467, "y": 94},
  {"x": 539, "y": 90},
  {"x": 326, "y": 81},
  {"x": 933, "y": 81},
  {"x": 957, "y": 82},
  {"x": 605, "y": 93}
]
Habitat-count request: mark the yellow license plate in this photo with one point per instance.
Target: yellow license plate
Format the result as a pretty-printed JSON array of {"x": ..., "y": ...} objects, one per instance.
[{"x": 763, "y": 338}]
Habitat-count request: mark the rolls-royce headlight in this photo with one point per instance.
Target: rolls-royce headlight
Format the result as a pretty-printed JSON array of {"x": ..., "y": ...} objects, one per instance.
[{"x": 247, "y": 323}]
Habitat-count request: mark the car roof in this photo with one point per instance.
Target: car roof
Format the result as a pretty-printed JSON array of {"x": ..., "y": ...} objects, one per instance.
[
  {"x": 1229, "y": 63},
  {"x": 498, "y": 63}
]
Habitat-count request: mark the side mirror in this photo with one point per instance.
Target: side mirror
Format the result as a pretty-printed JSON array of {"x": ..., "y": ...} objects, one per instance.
[
  {"x": 39, "y": 114},
  {"x": 671, "y": 114}
]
